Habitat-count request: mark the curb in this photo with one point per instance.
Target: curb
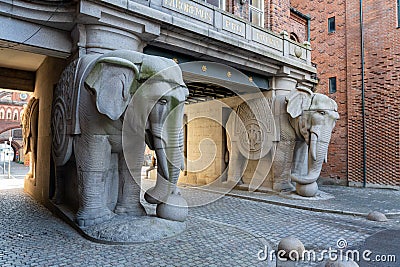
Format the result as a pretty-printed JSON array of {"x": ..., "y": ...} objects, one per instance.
[{"x": 289, "y": 205}]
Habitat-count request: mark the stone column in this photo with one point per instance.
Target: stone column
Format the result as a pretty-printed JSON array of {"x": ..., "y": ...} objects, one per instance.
[
  {"x": 282, "y": 85},
  {"x": 99, "y": 39},
  {"x": 103, "y": 27}
]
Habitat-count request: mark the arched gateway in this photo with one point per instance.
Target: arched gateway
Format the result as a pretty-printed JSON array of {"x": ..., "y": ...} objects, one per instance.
[{"x": 224, "y": 61}]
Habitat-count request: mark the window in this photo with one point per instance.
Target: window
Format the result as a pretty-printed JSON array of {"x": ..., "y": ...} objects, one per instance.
[
  {"x": 331, "y": 24},
  {"x": 256, "y": 12},
  {"x": 398, "y": 13},
  {"x": 218, "y": 3},
  {"x": 2, "y": 114},
  {"x": 8, "y": 114},
  {"x": 294, "y": 37},
  {"x": 15, "y": 117},
  {"x": 332, "y": 85}
]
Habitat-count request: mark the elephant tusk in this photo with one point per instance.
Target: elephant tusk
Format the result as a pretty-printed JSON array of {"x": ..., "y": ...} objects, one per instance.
[
  {"x": 313, "y": 146},
  {"x": 162, "y": 163},
  {"x": 326, "y": 158}
]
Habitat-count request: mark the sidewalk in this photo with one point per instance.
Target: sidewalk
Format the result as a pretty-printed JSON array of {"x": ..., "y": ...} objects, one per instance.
[
  {"x": 16, "y": 180},
  {"x": 344, "y": 200},
  {"x": 330, "y": 199}
]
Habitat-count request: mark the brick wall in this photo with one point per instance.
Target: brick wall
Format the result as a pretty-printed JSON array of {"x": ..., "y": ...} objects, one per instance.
[
  {"x": 329, "y": 53},
  {"x": 382, "y": 97},
  {"x": 278, "y": 15},
  {"x": 298, "y": 26},
  {"x": 339, "y": 54}
]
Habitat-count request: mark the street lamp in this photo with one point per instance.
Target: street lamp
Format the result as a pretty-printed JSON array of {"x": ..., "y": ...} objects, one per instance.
[{"x": 9, "y": 164}]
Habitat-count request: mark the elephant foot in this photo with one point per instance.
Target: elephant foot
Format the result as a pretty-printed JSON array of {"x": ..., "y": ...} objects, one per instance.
[
  {"x": 174, "y": 209},
  {"x": 135, "y": 210},
  {"x": 92, "y": 217},
  {"x": 283, "y": 186}
]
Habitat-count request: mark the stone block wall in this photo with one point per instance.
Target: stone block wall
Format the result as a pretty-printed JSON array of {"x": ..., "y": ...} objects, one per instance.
[
  {"x": 46, "y": 77},
  {"x": 206, "y": 143}
]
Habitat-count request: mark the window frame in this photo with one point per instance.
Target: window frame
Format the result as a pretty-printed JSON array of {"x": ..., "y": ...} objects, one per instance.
[
  {"x": 332, "y": 85},
  {"x": 257, "y": 10},
  {"x": 15, "y": 115},
  {"x": 9, "y": 114},
  {"x": 331, "y": 19},
  {"x": 220, "y": 2},
  {"x": 398, "y": 13}
]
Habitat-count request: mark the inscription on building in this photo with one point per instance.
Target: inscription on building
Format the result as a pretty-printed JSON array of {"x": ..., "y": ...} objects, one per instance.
[
  {"x": 267, "y": 39},
  {"x": 234, "y": 26},
  {"x": 191, "y": 9}
]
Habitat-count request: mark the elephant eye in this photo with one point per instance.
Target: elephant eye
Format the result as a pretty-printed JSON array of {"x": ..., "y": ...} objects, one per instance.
[
  {"x": 322, "y": 112},
  {"x": 162, "y": 101}
]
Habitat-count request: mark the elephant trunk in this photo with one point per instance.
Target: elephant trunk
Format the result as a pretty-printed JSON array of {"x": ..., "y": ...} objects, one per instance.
[
  {"x": 318, "y": 149},
  {"x": 169, "y": 162}
]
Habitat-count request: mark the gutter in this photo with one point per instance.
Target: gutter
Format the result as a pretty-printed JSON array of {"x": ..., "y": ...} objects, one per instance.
[
  {"x": 307, "y": 18},
  {"x": 364, "y": 135}
]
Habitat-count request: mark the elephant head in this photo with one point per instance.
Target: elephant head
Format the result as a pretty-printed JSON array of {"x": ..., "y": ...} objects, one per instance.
[{"x": 313, "y": 116}]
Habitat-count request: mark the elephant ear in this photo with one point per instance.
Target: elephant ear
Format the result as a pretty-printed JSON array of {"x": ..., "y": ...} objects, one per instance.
[
  {"x": 298, "y": 100},
  {"x": 112, "y": 80}
]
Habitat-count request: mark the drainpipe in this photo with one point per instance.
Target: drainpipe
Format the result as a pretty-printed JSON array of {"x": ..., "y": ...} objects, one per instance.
[{"x": 363, "y": 97}]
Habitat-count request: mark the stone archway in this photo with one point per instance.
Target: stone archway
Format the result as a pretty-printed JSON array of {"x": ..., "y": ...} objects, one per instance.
[{"x": 6, "y": 125}]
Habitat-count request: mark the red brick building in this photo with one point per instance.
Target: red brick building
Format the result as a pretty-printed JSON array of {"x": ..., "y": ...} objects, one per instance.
[
  {"x": 358, "y": 62},
  {"x": 11, "y": 109}
]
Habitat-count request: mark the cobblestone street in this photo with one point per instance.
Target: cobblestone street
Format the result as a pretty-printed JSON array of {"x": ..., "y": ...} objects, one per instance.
[{"x": 227, "y": 232}]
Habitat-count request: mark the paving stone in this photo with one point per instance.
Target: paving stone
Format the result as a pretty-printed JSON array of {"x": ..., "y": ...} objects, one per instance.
[{"x": 228, "y": 232}]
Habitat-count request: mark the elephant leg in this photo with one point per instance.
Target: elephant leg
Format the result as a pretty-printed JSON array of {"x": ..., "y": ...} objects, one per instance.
[
  {"x": 282, "y": 166},
  {"x": 129, "y": 191},
  {"x": 93, "y": 155}
]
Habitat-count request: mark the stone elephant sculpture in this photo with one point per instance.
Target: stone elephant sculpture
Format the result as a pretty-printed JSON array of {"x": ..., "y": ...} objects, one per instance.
[
  {"x": 29, "y": 124},
  {"x": 304, "y": 122},
  {"x": 89, "y": 108}
]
